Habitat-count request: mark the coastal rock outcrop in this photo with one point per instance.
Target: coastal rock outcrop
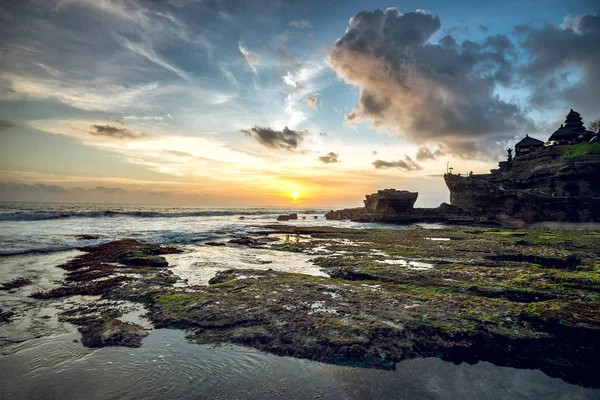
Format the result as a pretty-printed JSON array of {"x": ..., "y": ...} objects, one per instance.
[
  {"x": 445, "y": 213},
  {"x": 557, "y": 183},
  {"x": 554, "y": 183},
  {"x": 390, "y": 200}
]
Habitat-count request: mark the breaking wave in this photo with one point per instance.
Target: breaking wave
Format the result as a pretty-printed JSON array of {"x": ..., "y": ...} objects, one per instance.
[{"x": 43, "y": 215}]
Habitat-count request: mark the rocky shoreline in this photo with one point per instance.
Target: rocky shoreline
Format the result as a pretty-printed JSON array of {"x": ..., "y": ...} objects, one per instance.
[
  {"x": 445, "y": 214},
  {"x": 526, "y": 299},
  {"x": 556, "y": 183}
]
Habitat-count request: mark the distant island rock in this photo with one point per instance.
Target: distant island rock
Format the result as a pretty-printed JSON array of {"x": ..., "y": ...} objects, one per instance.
[{"x": 390, "y": 205}]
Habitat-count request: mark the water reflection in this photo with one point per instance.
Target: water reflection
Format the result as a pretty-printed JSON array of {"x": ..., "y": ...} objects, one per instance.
[{"x": 167, "y": 366}]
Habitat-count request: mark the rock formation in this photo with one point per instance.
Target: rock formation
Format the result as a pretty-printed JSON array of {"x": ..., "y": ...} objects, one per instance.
[
  {"x": 557, "y": 183},
  {"x": 396, "y": 206},
  {"x": 558, "y": 180},
  {"x": 390, "y": 200}
]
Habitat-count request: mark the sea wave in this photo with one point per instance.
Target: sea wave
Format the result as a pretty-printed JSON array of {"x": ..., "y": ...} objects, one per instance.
[
  {"x": 43, "y": 215},
  {"x": 45, "y": 250}
]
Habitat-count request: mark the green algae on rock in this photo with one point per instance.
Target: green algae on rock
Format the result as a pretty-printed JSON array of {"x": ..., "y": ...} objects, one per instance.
[{"x": 390, "y": 295}]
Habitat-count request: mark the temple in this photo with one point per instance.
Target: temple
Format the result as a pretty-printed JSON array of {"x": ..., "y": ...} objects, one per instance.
[
  {"x": 557, "y": 180},
  {"x": 571, "y": 132},
  {"x": 527, "y": 145}
]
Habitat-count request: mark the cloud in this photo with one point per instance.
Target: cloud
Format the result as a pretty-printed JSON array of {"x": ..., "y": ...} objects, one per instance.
[
  {"x": 322, "y": 133},
  {"x": 406, "y": 165},
  {"x": 178, "y": 153},
  {"x": 427, "y": 92},
  {"x": 249, "y": 57},
  {"x": 425, "y": 153},
  {"x": 563, "y": 70},
  {"x": 374, "y": 152},
  {"x": 329, "y": 158},
  {"x": 116, "y": 133},
  {"x": 286, "y": 60},
  {"x": 300, "y": 24},
  {"x": 7, "y": 187},
  {"x": 148, "y": 52},
  {"x": 285, "y": 139},
  {"x": 312, "y": 102},
  {"x": 108, "y": 190},
  {"x": 6, "y": 124}
]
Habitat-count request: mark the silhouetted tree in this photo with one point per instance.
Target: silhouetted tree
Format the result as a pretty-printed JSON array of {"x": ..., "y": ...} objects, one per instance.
[{"x": 594, "y": 126}]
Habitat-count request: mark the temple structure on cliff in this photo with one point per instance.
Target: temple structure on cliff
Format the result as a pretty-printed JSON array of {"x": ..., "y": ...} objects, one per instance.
[
  {"x": 527, "y": 144},
  {"x": 558, "y": 180},
  {"x": 571, "y": 132},
  {"x": 551, "y": 181}
]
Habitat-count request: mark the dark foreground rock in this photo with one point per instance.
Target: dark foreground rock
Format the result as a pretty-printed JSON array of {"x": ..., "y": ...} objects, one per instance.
[
  {"x": 391, "y": 295},
  {"x": 121, "y": 270},
  {"x": 15, "y": 284},
  {"x": 395, "y": 295},
  {"x": 102, "y": 332},
  {"x": 105, "y": 266},
  {"x": 5, "y": 316},
  {"x": 376, "y": 324}
]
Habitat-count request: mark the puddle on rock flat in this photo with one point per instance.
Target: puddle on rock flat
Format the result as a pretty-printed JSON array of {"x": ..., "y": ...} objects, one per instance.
[
  {"x": 407, "y": 264},
  {"x": 198, "y": 264}
]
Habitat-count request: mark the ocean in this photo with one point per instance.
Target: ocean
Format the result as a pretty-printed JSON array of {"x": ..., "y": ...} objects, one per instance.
[{"x": 42, "y": 358}]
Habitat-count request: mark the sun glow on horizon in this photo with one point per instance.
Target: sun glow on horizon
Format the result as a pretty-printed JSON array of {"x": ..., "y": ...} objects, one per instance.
[{"x": 295, "y": 196}]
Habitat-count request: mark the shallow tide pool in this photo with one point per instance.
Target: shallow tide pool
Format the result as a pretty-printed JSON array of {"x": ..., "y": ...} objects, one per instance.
[{"x": 167, "y": 366}]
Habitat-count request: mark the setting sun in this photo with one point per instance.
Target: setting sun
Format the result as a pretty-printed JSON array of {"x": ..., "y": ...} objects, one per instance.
[{"x": 295, "y": 195}]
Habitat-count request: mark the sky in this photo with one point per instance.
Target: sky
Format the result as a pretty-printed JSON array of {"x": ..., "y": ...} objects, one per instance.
[{"x": 280, "y": 103}]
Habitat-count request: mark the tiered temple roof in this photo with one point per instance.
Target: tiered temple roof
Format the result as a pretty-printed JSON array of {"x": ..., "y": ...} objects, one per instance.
[{"x": 572, "y": 129}]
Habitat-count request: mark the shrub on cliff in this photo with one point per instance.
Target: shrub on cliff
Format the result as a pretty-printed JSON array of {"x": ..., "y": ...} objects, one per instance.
[{"x": 582, "y": 149}]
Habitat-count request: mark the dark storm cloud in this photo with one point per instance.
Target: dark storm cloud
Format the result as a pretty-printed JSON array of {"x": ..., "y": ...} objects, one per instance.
[
  {"x": 406, "y": 165},
  {"x": 116, "y": 133},
  {"x": 55, "y": 189},
  {"x": 329, "y": 158},
  {"x": 285, "y": 139},
  {"x": 556, "y": 53},
  {"x": 6, "y": 124},
  {"x": 425, "y": 153},
  {"x": 448, "y": 41},
  {"x": 109, "y": 190},
  {"x": 11, "y": 187},
  {"x": 441, "y": 93}
]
